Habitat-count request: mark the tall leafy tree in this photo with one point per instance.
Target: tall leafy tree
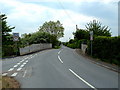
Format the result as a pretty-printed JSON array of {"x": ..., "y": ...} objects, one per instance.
[
  {"x": 81, "y": 34},
  {"x": 54, "y": 28},
  {"x": 6, "y": 29},
  {"x": 7, "y": 39},
  {"x": 98, "y": 29},
  {"x": 38, "y": 37}
]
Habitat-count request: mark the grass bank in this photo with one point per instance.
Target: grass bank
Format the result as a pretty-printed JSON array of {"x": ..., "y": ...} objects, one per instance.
[{"x": 9, "y": 82}]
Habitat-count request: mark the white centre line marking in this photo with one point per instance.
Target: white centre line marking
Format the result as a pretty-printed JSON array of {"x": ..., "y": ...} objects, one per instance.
[
  {"x": 14, "y": 74},
  {"x": 25, "y": 73},
  {"x": 82, "y": 79},
  {"x": 4, "y": 74},
  {"x": 19, "y": 69},
  {"x": 10, "y": 69},
  {"x": 60, "y": 51},
  {"x": 15, "y": 66},
  {"x": 60, "y": 59}
]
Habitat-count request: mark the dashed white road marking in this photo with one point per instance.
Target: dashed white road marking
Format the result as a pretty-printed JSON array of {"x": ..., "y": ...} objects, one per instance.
[
  {"x": 26, "y": 58},
  {"x": 10, "y": 69},
  {"x": 82, "y": 79},
  {"x": 18, "y": 63},
  {"x": 4, "y": 74},
  {"x": 60, "y": 51},
  {"x": 14, "y": 74},
  {"x": 15, "y": 65},
  {"x": 24, "y": 63},
  {"x": 22, "y": 60},
  {"x": 19, "y": 69},
  {"x": 60, "y": 59},
  {"x": 25, "y": 73},
  {"x": 22, "y": 66}
]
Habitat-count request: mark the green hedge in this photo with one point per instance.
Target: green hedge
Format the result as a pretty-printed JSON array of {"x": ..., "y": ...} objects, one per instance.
[
  {"x": 9, "y": 50},
  {"x": 75, "y": 44},
  {"x": 106, "y": 48}
]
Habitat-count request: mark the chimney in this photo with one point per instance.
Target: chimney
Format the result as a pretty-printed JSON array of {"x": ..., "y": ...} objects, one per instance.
[{"x": 76, "y": 28}]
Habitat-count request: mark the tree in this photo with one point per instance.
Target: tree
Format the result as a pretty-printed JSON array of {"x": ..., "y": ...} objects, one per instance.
[
  {"x": 39, "y": 37},
  {"x": 98, "y": 29},
  {"x": 7, "y": 39},
  {"x": 6, "y": 29},
  {"x": 81, "y": 34},
  {"x": 52, "y": 27}
]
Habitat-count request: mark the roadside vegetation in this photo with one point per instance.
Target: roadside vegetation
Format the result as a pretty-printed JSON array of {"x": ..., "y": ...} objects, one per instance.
[
  {"x": 0, "y": 82},
  {"x": 49, "y": 32},
  {"x": 104, "y": 47},
  {"x": 9, "y": 83}
]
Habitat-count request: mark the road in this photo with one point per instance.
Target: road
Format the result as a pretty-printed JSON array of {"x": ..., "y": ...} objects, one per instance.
[{"x": 59, "y": 68}]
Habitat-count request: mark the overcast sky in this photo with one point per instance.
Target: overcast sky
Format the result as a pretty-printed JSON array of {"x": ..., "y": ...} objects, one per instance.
[{"x": 28, "y": 15}]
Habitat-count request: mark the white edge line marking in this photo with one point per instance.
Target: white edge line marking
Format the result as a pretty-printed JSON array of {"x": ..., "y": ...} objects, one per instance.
[
  {"x": 4, "y": 74},
  {"x": 19, "y": 69},
  {"x": 25, "y": 73},
  {"x": 10, "y": 69},
  {"x": 82, "y": 79},
  {"x": 14, "y": 74},
  {"x": 60, "y": 59}
]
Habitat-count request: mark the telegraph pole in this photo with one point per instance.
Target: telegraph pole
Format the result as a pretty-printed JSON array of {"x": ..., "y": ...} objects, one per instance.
[{"x": 91, "y": 39}]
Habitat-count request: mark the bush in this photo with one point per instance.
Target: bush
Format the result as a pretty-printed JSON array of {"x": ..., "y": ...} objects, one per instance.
[
  {"x": 56, "y": 47},
  {"x": 8, "y": 50},
  {"x": 106, "y": 48}
]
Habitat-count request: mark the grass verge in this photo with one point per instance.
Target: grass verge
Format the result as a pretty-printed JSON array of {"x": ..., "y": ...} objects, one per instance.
[{"x": 9, "y": 82}]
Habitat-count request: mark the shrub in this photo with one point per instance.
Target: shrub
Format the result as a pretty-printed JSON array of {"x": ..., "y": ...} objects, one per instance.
[{"x": 106, "y": 48}]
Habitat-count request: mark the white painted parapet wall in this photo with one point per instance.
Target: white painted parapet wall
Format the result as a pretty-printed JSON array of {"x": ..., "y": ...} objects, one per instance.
[
  {"x": 34, "y": 48},
  {"x": 83, "y": 47}
]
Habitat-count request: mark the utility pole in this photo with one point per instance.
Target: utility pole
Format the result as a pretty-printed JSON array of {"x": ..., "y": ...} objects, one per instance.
[{"x": 91, "y": 39}]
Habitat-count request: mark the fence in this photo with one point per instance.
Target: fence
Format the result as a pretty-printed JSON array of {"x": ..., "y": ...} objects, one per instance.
[{"x": 34, "y": 48}]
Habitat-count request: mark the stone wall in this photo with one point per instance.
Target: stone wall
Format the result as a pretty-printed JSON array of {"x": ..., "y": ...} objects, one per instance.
[{"x": 34, "y": 48}]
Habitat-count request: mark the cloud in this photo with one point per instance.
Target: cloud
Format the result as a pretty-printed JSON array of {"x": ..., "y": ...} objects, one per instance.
[
  {"x": 73, "y": 1},
  {"x": 27, "y": 16}
]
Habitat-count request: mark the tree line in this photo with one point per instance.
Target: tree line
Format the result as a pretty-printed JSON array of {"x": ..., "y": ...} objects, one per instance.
[
  {"x": 49, "y": 32},
  {"x": 105, "y": 47}
]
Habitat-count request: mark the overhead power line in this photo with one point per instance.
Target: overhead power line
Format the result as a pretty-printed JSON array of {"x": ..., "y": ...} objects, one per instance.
[{"x": 66, "y": 12}]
